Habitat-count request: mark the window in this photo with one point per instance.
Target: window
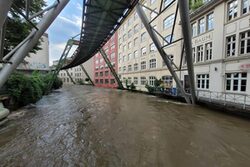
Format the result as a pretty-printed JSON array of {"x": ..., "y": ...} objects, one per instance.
[
  {"x": 96, "y": 74},
  {"x": 124, "y": 37},
  {"x": 232, "y": 9},
  {"x": 143, "y": 81},
  {"x": 245, "y": 6},
  {"x": 194, "y": 55},
  {"x": 112, "y": 56},
  {"x": 135, "y": 80},
  {"x": 208, "y": 51},
  {"x": 143, "y": 37},
  {"x": 101, "y": 74},
  {"x": 236, "y": 82},
  {"x": 143, "y": 51},
  {"x": 201, "y": 26},
  {"x": 152, "y": 63},
  {"x": 152, "y": 47},
  {"x": 152, "y": 80},
  {"x": 120, "y": 69},
  {"x": 129, "y": 68},
  {"x": 124, "y": 68},
  {"x": 245, "y": 42},
  {"x": 203, "y": 81},
  {"x": 135, "y": 41},
  {"x": 169, "y": 21},
  {"x": 136, "y": 28},
  {"x": 112, "y": 81},
  {"x": 200, "y": 53},
  {"x": 106, "y": 73},
  {"x": 129, "y": 80},
  {"x": 96, "y": 81},
  {"x": 167, "y": 2},
  {"x": 136, "y": 54},
  {"x": 143, "y": 65},
  {"x": 130, "y": 33},
  {"x": 124, "y": 58},
  {"x": 135, "y": 16},
  {"x": 194, "y": 29},
  {"x": 124, "y": 48},
  {"x": 129, "y": 45},
  {"x": 136, "y": 67},
  {"x": 231, "y": 45},
  {"x": 210, "y": 21},
  {"x": 129, "y": 56}
]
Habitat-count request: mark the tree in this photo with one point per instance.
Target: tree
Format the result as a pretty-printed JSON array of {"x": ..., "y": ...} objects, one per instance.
[{"x": 17, "y": 29}]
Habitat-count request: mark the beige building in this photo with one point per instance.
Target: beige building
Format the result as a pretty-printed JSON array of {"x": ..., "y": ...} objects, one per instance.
[
  {"x": 77, "y": 73},
  {"x": 139, "y": 60},
  {"x": 221, "y": 49}
]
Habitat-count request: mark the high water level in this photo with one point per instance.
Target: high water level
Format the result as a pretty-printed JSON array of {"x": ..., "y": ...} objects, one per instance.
[{"x": 85, "y": 126}]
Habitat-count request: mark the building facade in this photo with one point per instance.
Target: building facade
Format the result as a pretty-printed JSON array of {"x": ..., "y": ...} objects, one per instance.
[
  {"x": 138, "y": 59},
  {"x": 102, "y": 74},
  {"x": 38, "y": 61},
  {"x": 221, "y": 49},
  {"x": 77, "y": 74}
]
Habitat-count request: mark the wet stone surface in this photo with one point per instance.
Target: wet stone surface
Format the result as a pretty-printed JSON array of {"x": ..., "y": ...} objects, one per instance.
[{"x": 93, "y": 127}]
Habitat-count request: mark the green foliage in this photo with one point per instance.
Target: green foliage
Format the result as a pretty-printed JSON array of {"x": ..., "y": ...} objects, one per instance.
[
  {"x": 29, "y": 89},
  {"x": 57, "y": 83},
  {"x": 80, "y": 81},
  {"x": 196, "y": 4},
  {"x": 17, "y": 29},
  {"x": 132, "y": 86},
  {"x": 150, "y": 89}
]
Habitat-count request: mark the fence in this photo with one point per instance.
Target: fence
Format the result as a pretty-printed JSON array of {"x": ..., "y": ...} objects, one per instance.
[{"x": 225, "y": 98}]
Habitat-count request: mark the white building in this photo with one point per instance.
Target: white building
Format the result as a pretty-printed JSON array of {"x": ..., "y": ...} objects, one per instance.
[
  {"x": 77, "y": 73},
  {"x": 221, "y": 49},
  {"x": 38, "y": 61}
]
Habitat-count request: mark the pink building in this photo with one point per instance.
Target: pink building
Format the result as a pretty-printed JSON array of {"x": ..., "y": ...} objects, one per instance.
[{"x": 102, "y": 74}]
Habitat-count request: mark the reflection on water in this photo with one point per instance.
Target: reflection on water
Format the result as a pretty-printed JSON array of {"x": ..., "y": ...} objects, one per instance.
[{"x": 85, "y": 126}]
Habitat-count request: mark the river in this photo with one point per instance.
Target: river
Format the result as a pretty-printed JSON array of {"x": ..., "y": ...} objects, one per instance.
[{"x": 96, "y": 127}]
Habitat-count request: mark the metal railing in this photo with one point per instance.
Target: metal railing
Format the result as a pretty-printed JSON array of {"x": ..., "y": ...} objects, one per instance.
[{"x": 225, "y": 98}]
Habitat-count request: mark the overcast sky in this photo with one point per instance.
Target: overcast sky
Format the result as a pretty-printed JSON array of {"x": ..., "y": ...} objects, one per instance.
[{"x": 67, "y": 25}]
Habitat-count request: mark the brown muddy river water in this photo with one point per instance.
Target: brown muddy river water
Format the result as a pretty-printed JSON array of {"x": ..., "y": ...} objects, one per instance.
[{"x": 93, "y": 127}]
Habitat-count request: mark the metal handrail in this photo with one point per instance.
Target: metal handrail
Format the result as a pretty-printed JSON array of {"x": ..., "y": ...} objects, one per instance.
[{"x": 224, "y": 98}]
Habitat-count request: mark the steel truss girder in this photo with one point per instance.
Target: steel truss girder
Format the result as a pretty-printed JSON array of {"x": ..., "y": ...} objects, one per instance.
[
  {"x": 163, "y": 54},
  {"x": 62, "y": 61},
  {"x": 105, "y": 57},
  {"x": 23, "y": 51},
  {"x": 86, "y": 73},
  {"x": 70, "y": 77}
]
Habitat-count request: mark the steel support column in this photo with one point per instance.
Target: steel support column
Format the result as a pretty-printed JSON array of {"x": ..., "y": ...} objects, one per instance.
[
  {"x": 86, "y": 73},
  {"x": 70, "y": 77},
  {"x": 105, "y": 57},
  {"x": 23, "y": 51},
  {"x": 4, "y": 9},
  {"x": 5, "y": 6},
  {"x": 163, "y": 54},
  {"x": 186, "y": 30}
]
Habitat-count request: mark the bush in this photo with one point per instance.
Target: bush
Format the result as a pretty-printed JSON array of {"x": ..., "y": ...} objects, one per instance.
[
  {"x": 25, "y": 89},
  {"x": 150, "y": 89},
  {"x": 196, "y": 4}
]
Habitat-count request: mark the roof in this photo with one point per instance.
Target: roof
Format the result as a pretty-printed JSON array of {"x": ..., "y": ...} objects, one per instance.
[{"x": 100, "y": 21}]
